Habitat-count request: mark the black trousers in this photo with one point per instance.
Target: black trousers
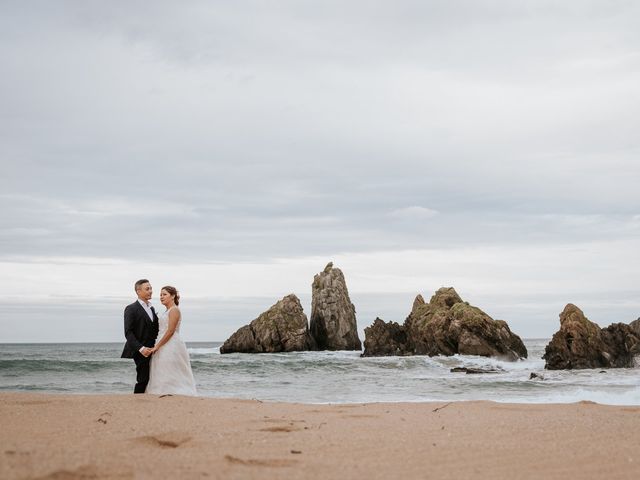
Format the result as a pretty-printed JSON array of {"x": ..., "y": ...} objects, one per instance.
[{"x": 142, "y": 370}]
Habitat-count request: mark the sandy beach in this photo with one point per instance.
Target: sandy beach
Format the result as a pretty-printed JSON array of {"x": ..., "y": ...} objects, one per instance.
[{"x": 47, "y": 436}]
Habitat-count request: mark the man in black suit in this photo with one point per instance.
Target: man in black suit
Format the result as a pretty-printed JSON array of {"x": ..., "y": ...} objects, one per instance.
[{"x": 140, "y": 330}]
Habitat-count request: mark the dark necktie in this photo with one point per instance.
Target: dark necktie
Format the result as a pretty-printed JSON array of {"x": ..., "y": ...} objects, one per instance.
[{"x": 154, "y": 313}]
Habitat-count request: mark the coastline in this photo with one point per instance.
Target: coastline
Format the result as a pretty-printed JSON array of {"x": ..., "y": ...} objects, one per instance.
[{"x": 62, "y": 436}]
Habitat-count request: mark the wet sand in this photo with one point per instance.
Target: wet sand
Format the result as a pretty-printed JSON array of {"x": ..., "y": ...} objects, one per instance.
[{"x": 48, "y": 436}]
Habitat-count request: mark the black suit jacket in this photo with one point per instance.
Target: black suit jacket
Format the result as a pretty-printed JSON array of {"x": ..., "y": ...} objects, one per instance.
[{"x": 139, "y": 330}]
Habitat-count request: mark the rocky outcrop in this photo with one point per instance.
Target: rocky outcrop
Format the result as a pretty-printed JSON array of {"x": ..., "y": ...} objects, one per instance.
[
  {"x": 418, "y": 302},
  {"x": 446, "y": 326},
  {"x": 333, "y": 316},
  {"x": 282, "y": 328},
  {"x": 385, "y": 339},
  {"x": 635, "y": 326},
  {"x": 581, "y": 343}
]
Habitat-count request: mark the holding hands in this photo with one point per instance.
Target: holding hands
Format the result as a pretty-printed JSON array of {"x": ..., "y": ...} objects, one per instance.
[
  {"x": 146, "y": 351},
  {"x": 169, "y": 297}
]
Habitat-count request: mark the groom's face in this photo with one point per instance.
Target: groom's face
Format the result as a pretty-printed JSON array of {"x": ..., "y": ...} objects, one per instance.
[{"x": 145, "y": 291}]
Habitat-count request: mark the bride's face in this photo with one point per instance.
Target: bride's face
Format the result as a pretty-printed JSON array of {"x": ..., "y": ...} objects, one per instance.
[{"x": 165, "y": 297}]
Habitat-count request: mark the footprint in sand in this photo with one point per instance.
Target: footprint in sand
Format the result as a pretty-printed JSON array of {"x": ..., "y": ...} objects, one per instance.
[
  {"x": 103, "y": 417},
  {"x": 281, "y": 420},
  {"x": 165, "y": 440},
  {"x": 280, "y": 429},
  {"x": 85, "y": 472},
  {"x": 254, "y": 462}
]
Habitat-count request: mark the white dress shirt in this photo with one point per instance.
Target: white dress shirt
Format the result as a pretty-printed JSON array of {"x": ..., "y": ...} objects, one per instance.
[{"x": 147, "y": 308}]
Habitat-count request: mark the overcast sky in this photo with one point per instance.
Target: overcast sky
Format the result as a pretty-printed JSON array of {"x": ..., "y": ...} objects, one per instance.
[{"x": 234, "y": 148}]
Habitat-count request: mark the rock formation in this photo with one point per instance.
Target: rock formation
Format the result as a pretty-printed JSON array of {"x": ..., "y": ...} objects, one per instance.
[
  {"x": 635, "y": 326},
  {"x": 385, "y": 339},
  {"x": 282, "y": 328},
  {"x": 419, "y": 301},
  {"x": 445, "y": 326},
  {"x": 448, "y": 326},
  {"x": 333, "y": 316},
  {"x": 581, "y": 343}
]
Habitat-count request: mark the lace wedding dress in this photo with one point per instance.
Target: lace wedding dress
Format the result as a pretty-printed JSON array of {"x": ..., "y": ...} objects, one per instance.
[{"x": 170, "y": 366}]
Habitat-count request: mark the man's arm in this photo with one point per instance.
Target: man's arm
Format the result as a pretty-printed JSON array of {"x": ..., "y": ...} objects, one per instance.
[{"x": 129, "y": 321}]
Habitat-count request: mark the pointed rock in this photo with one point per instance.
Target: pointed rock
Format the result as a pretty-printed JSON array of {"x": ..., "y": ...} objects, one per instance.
[
  {"x": 635, "y": 326},
  {"x": 418, "y": 302},
  {"x": 581, "y": 343},
  {"x": 445, "y": 297},
  {"x": 282, "y": 328},
  {"x": 333, "y": 316}
]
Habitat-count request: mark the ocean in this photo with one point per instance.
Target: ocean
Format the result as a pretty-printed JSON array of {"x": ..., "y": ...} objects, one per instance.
[{"x": 318, "y": 377}]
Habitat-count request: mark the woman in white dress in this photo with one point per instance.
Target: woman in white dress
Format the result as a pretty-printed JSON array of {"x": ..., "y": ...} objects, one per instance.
[{"x": 170, "y": 366}]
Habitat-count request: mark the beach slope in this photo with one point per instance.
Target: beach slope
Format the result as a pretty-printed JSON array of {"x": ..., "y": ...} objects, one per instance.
[{"x": 45, "y": 436}]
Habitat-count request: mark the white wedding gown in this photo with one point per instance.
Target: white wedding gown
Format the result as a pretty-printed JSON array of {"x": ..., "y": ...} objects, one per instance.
[{"x": 170, "y": 366}]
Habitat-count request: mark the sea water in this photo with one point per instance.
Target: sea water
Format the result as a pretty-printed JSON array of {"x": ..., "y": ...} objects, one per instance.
[{"x": 319, "y": 377}]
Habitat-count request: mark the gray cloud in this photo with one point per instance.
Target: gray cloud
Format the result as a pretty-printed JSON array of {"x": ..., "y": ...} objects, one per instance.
[{"x": 219, "y": 131}]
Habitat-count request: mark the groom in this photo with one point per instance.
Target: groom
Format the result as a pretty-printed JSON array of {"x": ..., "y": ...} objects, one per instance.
[{"x": 140, "y": 330}]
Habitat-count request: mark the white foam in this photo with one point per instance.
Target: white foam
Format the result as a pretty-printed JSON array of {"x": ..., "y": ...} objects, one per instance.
[
  {"x": 628, "y": 397},
  {"x": 204, "y": 351}
]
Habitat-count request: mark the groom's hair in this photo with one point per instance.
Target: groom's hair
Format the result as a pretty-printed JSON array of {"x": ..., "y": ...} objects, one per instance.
[{"x": 140, "y": 282}]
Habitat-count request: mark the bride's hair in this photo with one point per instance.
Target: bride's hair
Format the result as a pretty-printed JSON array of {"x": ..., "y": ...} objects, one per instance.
[{"x": 173, "y": 291}]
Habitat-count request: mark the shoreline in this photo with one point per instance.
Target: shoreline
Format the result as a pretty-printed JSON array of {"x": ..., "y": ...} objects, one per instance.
[
  {"x": 74, "y": 436},
  {"x": 337, "y": 403}
]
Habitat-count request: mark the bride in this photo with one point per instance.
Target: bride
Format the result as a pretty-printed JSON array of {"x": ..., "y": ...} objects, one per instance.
[{"x": 170, "y": 367}]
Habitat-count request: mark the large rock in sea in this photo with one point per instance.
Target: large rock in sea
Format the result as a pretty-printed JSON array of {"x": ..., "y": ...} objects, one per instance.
[
  {"x": 333, "y": 316},
  {"x": 385, "y": 339},
  {"x": 282, "y": 328},
  {"x": 446, "y": 326},
  {"x": 635, "y": 326},
  {"x": 581, "y": 343}
]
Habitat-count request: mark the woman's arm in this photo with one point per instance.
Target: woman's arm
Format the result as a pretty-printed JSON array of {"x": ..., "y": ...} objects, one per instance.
[{"x": 174, "y": 317}]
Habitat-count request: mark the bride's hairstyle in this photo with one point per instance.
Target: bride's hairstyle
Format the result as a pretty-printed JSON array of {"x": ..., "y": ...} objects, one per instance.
[{"x": 173, "y": 291}]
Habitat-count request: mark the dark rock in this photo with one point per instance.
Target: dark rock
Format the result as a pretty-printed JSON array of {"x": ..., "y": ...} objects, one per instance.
[
  {"x": 623, "y": 344},
  {"x": 384, "y": 339},
  {"x": 635, "y": 326},
  {"x": 333, "y": 316},
  {"x": 536, "y": 375},
  {"x": 445, "y": 326},
  {"x": 469, "y": 370},
  {"x": 282, "y": 328},
  {"x": 581, "y": 343}
]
